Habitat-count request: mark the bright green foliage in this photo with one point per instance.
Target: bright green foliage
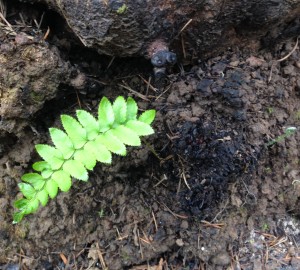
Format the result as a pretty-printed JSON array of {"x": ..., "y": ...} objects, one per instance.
[{"x": 76, "y": 150}]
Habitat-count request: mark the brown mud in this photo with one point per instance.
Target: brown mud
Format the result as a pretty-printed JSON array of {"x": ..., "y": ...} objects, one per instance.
[{"x": 217, "y": 186}]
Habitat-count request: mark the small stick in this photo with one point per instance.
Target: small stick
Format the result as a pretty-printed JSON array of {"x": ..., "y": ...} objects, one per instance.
[
  {"x": 36, "y": 24},
  {"x": 174, "y": 214},
  {"x": 214, "y": 225},
  {"x": 24, "y": 256},
  {"x": 152, "y": 149},
  {"x": 290, "y": 53},
  {"x": 141, "y": 249},
  {"x": 3, "y": 8},
  {"x": 183, "y": 48},
  {"x": 155, "y": 223},
  {"x": 46, "y": 34},
  {"x": 267, "y": 255},
  {"x": 185, "y": 26},
  {"x": 22, "y": 19},
  {"x": 101, "y": 257},
  {"x": 78, "y": 99},
  {"x": 148, "y": 84},
  {"x": 110, "y": 63},
  {"x": 7, "y": 23},
  {"x": 282, "y": 59},
  {"x": 159, "y": 182},
  {"x": 168, "y": 88},
  {"x": 220, "y": 212},
  {"x": 134, "y": 92},
  {"x": 178, "y": 187},
  {"x": 183, "y": 173},
  {"x": 120, "y": 238},
  {"x": 64, "y": 259},
  {"x": 41, "y": 21}
]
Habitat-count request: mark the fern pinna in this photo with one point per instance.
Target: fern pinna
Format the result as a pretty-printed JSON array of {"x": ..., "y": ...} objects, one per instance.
[{"x": 76, "y": 150}]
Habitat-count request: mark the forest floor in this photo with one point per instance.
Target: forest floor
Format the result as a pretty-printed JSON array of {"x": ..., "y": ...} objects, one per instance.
[{"x": 216, "y": 187}]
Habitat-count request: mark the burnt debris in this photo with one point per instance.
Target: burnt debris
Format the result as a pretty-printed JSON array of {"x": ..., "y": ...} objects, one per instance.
[{"x": 215, "y": 158}]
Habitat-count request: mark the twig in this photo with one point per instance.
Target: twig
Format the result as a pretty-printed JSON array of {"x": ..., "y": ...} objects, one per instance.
[
  {"x": 290, "y": 53},
  {"x": 78, "y": 99},
  {"x": 41, "y": 21},
  {"x": 140, "y": 245},
  {"x": 178, "y": 187},
  {"x": 167, "y": 89},
  {"x": 64, "y": 258},
  {"x": 282, "y": 59},
  {"x": 148, "y": 84},
  {"x": 214, "y": 225},
  {"x": 46, "y": 34},
  {"x": 120, "y": 238},
  {"x": 101, "y": 257},
  {"x": 154, "y": 219},
  {"x": 7, "y": 23},
  {"x": 185, "y": 26},
  {"x": 159, "y": 182},
  {"x": 183, "y": 173},
  {"x": 110, "y": 63},
  {"x": 152, "y": 149},
  {"x": 174, "y": 214},
  {"x": 134, "y": 92},
  {"x": 220, "y": 212},
  {"x": 22, "y": 19},
  {"x": 3, "y": 8},
  {"x": 183, "y": 48}
]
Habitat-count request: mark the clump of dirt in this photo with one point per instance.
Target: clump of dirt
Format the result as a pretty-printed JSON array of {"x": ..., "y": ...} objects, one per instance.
[
  {"x": 30, "y": 75},
  {"x": 207, "y": 191}
]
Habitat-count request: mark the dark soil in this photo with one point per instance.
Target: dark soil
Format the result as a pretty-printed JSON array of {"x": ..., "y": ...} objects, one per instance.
[{"x": 214, "y": 188}]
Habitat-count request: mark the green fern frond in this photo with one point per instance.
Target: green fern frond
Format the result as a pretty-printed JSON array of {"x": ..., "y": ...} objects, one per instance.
[{"x": 76, "y": 150}]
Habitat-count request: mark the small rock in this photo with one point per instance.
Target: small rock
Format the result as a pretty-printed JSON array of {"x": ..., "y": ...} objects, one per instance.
[
  {"x": 234, "y": 63},
  {"x": 240, "y": 115},
  {"x": 222, "y": 258},
  {"x": 255, "y": 61},
  {"x": 204, "y": 87},
  {"x": 292, "y": 251},
  {"x": 12, "y": 267},
  {"x": 295, "y": 263},
  {"x": 79, "y": 81},
  {"x": 289, "y": 70},
  {"x": 231, "y": 93},
  {"x": 218, "y": 69},
  {"x": 184, "y": 225},
  {"x": 236, "y": 201},
  {"x": 197, "y": 110},
  {"x": 22, "y": 39},
  {"x": 179, "y": 242}
]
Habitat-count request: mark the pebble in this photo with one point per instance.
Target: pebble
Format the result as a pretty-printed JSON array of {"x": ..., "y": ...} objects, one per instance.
[
  {"x": 289, "y": 70},
  {"x": 184, "y": 225},
  {"x": 234, "y": 63},
  {"x": 12, "y": 267},
  {"x": 222, "y": 258},
  {"x": 179, "y": 242},
  {"x": 204, "y": 87}
]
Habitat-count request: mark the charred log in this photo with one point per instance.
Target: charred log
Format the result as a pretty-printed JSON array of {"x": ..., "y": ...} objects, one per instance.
[{"x": 201, "y": 28}]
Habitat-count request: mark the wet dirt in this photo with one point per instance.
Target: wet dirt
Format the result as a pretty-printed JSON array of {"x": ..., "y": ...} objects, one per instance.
[{"x": 217, "y": 186}]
